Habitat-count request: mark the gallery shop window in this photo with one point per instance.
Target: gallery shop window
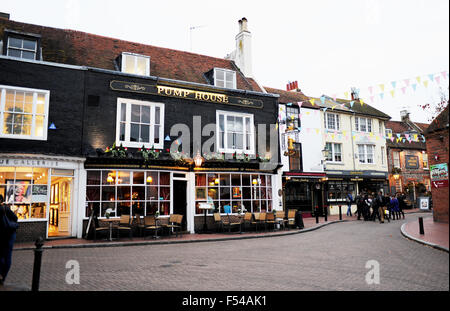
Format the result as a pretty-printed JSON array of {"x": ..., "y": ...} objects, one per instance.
[
  {"x": 292, "y": 120},
  {"x": 236, "y": 132},
  {"x": 23, "y": 112},
  {"x": 237, "y": 191},
  {"x": 128, "y": 192},
  {"x": 140, "y": 123},
  {"x": 366, "y": 154},
  {"x": 225, "y": 78},
  {"x": 335, "y": 152},
  {"x": 295, "y": 158},
  {"x": 363, "y": 124},
  {"x": 26, "y": 190},
  {"x": 331, "y": 121},
  {"x": 136, "y": 64},
  {"x": 337, "y": 190},
  {"x": 22, "y": 47}
]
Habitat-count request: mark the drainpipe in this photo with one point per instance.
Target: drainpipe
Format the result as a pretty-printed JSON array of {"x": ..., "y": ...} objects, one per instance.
[{"x": 353, "y": 150}]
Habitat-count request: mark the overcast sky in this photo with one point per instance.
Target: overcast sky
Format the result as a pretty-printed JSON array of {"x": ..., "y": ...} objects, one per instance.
[{"x": 328, "y": 46}]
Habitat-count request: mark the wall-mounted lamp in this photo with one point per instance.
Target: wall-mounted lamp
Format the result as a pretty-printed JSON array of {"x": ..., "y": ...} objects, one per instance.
[{"x": 198, "y": 160}]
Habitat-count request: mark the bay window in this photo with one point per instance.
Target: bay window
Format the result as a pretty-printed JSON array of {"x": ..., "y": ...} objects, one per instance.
[
  {"x": 139, "y": 123},
  {"x": 23, "y": 113}
]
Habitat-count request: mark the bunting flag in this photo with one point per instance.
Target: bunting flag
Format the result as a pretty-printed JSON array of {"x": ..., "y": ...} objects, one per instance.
[
  {"x": 317, "y": 131},
  {"x": 299, "y": 104},
  {"x": 381, "y": 87},
  {"x": 414, "y": 86},
  {"x": 334, "y": 97},
  {"x": 361, "y": 101},
  {"x": 418, "y": 79},
  {"x": 425, "y": 83},
  {"x": 325, "y": 109},
  {"x": 404, "y": 89},
  {"x": 431, "y": 76},
  {"x": 406, "y": 82},
  {"x": 312, "y": 100},
  {"x": 289, "y": 104},
  {"x": 438, "y": 80},
  {"x": 332, "y": 108},
  {"x": 392, "y": 92},
  {"x": 351, "y": 103},
  {"x": 394, "y": 83},
  {"x": 322, "y": 99},
  {"x": 346, "y": 95},
  {"x": 381, "y": 95},
  {"x": 444, "y": 74}
]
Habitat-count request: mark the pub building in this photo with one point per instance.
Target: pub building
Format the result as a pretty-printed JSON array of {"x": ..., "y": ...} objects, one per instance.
[
  {"x": 96, "y": 124},
  {"x": 302, "y": 174}
]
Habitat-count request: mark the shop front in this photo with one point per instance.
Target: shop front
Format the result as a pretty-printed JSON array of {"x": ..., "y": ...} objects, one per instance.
[{"x": 43, "y": 192}]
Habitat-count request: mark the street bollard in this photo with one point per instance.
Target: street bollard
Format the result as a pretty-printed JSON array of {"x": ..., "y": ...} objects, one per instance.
[
  {"x": 421, "y": 225},
  {"x": 340, "y": 213},
  {"x": 317, "y": 214},
  {"x": 326, "y": 212},
  {"x": 37, "y": 264}
]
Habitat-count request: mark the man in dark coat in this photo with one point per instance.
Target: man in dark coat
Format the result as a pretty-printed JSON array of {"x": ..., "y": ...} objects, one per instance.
[
  {"x": 7, "y": 238},
  {"x": 401, "y": 204}
]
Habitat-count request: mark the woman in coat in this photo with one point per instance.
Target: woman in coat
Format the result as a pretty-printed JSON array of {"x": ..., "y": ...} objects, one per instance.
[
  {"x": 394, "y": 207},
  {"x": 7, "y": 238}
]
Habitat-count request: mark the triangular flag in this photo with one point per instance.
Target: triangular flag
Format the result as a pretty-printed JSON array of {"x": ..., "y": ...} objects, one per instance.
[
  {"x": 276, "y": 126},
  {"x": 370, "y": 89},
  {"x": 394, "y": 83},
  {"x": 289, "y": 104},
  {"x": 392, "y": 92},
  {"x": 361, "y": 101},
  {"x": 307, "y": 112},
  {"x": 438, "y": 79},
  {"x": 351, "y": 103},
  {"x": 381, "y": 87},
  {"x": 425, "y": 83},
  {"x": 167, "y": 138},
  {"x": 431, "y": 76},
  {"x": 332, "y": 108},
  {"x": 317, "y": 131},
  {"x": 414, "y": 86},
  {"x": 325, "y": 109},
  {"x": 406, "y": 82},
  {"x": 322, "y": 99},
  {"x": 312, "y": 100},
  {"x": 299, "y": 104},
  {"x": 404, "y": 89},
  {"x": 334, "y": 97},
  {"x": 418, "y": 79},
  {"x": 381, "y": 95},
  {"x": 444, "y": 74},
  {"x": 346, "y": 94}
]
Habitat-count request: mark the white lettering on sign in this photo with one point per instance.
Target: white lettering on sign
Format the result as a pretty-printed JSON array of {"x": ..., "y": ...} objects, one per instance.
[{"x": 28, "y": 162}]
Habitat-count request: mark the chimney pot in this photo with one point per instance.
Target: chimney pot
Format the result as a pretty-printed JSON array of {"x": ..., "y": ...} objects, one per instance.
[{"x": 244, "y": 24}]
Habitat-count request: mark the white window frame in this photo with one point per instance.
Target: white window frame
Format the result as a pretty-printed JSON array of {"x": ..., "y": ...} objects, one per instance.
[
  {"x": 22, "y": 49},
  {"x": 244, "y": 145},
  {"x": 383, "y": 152},
  {"x": 133, "y": 144},
  {"x": 396, "y": 159},
  {"x": 136, "y": 56},
  {"x": 333, "y": 153},
  {"x": 387, "y": 132},
  {"x": 367, "y": 121},
  {"x": 365, "y": 157},
  {"x": 337, "y": 121},
  {"x": 225, "y": 77},
  {"x": 35, "y": 92}
]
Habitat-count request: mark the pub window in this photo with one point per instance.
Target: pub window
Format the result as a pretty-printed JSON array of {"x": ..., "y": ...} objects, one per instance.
[
  {"x": 236, "y": 132},
  {"x": 396, "y": 159},
  {"x": 295, "y": 159},
  {"x": 225, "y": 78},
  {"x": 331, "y": 121},
  {"x": 337, "y": 190},
  {"x": 382, "y": 155},
  {"x": 22, "y": 47},
  {"x": 139, "y": 123},
  {"x": 136, "y": 64},
  {"x": 23, "y": 113},
  {"x": 292, "y": 117}
]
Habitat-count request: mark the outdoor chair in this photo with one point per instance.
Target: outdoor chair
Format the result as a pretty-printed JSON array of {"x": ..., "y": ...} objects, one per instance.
[
  {"x": 263, "y": 220},
  {"x": 124, "y": 225},
  {"x": 229, "y": 222},
  {"x": 280, "y": 218},
  {"x": 291, "y": 217},
  {"x": 247, "y": 219},
  {"x": 99, "y": 229},
  {"x": 175, "y": 223},
  {"x": 270, "y": 220},
  {"x": 139, "y": 224},
  {"x": 151, "y": 223},
  {"x": 218, "y": 221},
  {"x": 255, "y": 220}
]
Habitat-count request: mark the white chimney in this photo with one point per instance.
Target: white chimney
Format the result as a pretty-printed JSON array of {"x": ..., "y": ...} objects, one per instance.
[{"x": 242, "y": 56}]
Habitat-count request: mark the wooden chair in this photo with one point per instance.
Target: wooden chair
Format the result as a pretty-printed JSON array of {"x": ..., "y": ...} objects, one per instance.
[
  {"x": 151, "y": 223},
  {"x": 247, "y": 219},
  {"x": 175, "y": 222},
  {"x": 124, "y": 225},
  {"x": 270, "y": 220},
  {"x": 99, "y": 229},
  {"x": 291, "y": 217},
  {"x": 139, "y": 224},
  {"x": 255, "y": 220},
  {"x": 280, "y": 218},
  {"x": 229, "y": 222},
  {"x": 263, "y": 220},
  {"x": 218, "y": 221}
]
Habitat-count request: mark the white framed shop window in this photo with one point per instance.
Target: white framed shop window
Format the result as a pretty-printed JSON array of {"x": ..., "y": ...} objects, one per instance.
[
  {"x": 235, "y": 132},
  {"x": 139, "y": 123},
  {"x": 23, "y": 113}
]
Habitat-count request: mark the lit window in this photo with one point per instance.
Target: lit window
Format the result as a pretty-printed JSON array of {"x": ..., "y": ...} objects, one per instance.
[
  {"x": 136, "y": 64},
  {"x": 335, "y": 152},
  {"x": 23, "y": 112},
  {"x": 396, "y": 158},
  {"x": 425, "y": 160},
  {"x": 140, "y": 123},
  {"x": 22, "y": 48},
  {"x": 363, "y": 124},
  {"x": 236, "y": 133},
  {"x": 292, "y": 119},
  {"x": 366, "y": 154},
  {"x": 295, "y": 159},
  {"x": 331, "y": 121},
  {"x": 225, "y": 78}
]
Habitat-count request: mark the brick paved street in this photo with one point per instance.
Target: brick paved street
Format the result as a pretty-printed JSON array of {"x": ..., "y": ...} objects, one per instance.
[{"x": 330, "y": 258}]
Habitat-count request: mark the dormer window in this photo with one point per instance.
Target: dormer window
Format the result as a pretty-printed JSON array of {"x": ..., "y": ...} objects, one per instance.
[
  {"x": 224, "y": 78},
  {"x": 22, "y": 48},
  {"x": 136, "y": 64}
]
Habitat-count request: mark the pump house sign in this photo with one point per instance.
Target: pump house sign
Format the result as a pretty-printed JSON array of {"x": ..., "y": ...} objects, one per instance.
[{"x": 183, "y": 93}]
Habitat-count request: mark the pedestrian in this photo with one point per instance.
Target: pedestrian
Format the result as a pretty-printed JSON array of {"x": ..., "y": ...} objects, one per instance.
[
  {"x": 367, "y": 207},
  {"x": 387, "y": 204},
  {"x": 394, "y": 206},
  {"x": 8, "y": 226},
  {"x": 381, "y": 206},
  {"x": 375, "y": 207},
  {"x": 401, "y": 204},
  {"x": 359, "y": 205},
  {"x": 349, "y": 199}
]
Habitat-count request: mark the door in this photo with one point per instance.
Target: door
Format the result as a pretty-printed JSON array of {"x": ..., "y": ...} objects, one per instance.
[
  {"x": 180, "y": 200},
  {"x": 60, "y": 207},
  {"x": 64, "y": 206}
]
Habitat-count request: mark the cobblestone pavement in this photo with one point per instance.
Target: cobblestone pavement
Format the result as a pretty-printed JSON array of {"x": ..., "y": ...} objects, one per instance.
[{"x": 331, "y": 258}]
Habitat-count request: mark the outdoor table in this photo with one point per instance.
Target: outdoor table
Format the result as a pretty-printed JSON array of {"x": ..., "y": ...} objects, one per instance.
[{"x": 110, "y": 221}]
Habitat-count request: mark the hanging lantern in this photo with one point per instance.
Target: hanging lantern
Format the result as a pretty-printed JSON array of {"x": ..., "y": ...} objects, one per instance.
[{"x": 198, "y": 160}]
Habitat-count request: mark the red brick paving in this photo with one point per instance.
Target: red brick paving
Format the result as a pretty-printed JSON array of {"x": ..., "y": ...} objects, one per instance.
[{"x": 434, "y": 232}]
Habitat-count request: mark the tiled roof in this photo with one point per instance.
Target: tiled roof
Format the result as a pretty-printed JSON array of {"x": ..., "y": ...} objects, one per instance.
[
  {"x": 291, "y": 97},
  {"x": 441, "y": 122},
  {"x": 85, "y": 49},
  {"x": 364, "y": 109},
  {"x": 397, "y": 126}
]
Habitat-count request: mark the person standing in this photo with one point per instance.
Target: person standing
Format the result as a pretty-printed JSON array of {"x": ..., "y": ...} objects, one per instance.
[
  {"x": 359, "y": 205},
  {"x": 7, "y": 237},
  {"x": 381, "y": 206},
  {"x": 394, "y": 206},
  {"x": 401, "y": 204},
  {"x": 349, "y": 200}
]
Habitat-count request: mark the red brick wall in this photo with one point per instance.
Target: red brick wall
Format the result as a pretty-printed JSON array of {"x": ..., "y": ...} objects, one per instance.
[{"x": 441, "y": 195}]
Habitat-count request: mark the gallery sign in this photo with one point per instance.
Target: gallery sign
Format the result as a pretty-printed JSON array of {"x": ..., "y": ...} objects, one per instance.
[
  {"x": 439, "y": 175},
  {"x": 184, "y": 94},
  {"x": 411, "y": 161}
]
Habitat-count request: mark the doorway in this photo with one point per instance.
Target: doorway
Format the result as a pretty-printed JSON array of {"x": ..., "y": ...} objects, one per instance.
[
  {"x": 180, "y": 200},
  {"x": 318, "y": 199},
  {"x": 59, "y": 222}
]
